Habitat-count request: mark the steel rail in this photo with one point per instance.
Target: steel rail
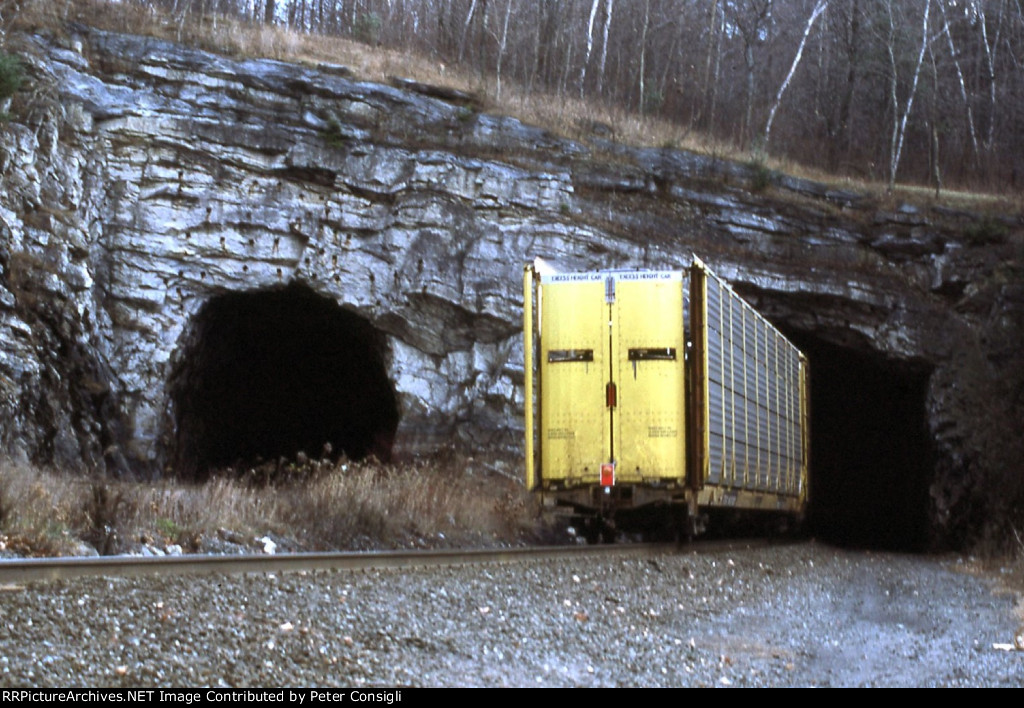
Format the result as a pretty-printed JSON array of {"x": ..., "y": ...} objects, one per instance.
[{"x": 23, "y": 570}]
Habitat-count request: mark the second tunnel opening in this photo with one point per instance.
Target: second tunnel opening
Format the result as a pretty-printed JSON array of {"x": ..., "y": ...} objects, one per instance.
[{"x": 871, "y": 454}]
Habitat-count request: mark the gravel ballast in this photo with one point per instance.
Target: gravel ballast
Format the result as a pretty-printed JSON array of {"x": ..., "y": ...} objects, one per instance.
[{"x": 801, "y": 615}]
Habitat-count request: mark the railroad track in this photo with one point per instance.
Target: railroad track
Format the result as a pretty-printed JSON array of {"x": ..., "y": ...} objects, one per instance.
[{"x": 17, "y": 571}]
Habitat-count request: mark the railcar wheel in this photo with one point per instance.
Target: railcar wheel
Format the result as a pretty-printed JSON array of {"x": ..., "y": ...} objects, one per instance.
[
  {"x": 591, "y": 530},
  {"x": 607, "y": 533},
  {"x": 598, "y": 530},
  {"x": 694, "y": 525}
]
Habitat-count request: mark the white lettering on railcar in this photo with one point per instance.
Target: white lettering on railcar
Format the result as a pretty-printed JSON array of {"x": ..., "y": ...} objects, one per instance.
[{"x": 596, "y": 276}]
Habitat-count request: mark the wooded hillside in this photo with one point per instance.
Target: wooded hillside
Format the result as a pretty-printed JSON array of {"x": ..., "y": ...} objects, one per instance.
[{"x": 915, "y": 90}]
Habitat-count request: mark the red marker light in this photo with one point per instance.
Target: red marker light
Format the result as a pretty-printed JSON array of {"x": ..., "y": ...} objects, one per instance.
[{"x": 607, "y": 474}]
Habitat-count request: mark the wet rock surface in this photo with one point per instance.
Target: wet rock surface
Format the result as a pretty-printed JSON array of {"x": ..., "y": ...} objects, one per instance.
[{"x": 800, "y": 615}]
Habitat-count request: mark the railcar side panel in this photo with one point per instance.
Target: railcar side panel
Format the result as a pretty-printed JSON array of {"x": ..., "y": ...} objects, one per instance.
[{"x": 754, "y": 381}]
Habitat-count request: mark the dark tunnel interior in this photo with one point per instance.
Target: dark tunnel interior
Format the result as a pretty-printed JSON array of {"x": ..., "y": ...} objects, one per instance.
[
  {"x": 268, "y": 374},
  {"x": 871, "y": 455}
]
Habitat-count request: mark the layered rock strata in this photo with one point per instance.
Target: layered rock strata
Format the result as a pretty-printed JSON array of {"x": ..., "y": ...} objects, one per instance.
[{"x": 144, "y": 181}]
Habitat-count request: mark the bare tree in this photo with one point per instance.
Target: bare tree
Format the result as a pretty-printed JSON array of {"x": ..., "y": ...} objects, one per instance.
[
  {"x": 990, "y": 62},
  {"x": 465, "y": 30},
  {"x": 502, "y": 44},
  {"x": 750, "y": 19},
  {"x": 973, "y": 134},
  {"x": 935, "y": 167},
  {"x": 819, "y": 8},
  {"x": 716, "y": 29},
  {"x": 590, "y": 44},
  {"x": 608, "y": 9},
  {"x": 899, "y": 124},
  {"x": 839, "y": 131},
  {"x": 643, "y": 55}
]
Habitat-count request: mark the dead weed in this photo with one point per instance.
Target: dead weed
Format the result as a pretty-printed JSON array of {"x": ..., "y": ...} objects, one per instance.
[{"x": 323, "y": 506}]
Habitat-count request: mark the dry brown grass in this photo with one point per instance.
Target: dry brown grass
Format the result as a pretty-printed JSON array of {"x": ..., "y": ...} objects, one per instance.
[
  {"x": 329, "y": 506},
  {"x": 421, "y": 502},
  {"x": 38, "y": 512}
]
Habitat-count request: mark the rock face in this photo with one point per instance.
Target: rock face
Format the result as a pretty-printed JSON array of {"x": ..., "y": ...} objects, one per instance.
[{"x": 189, "y": 244}]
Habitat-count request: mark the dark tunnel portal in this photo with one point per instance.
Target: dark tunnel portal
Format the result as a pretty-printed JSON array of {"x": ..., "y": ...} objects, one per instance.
[
  {"x": 271, "y": 373},
  {"x": 871, "y": 459}
]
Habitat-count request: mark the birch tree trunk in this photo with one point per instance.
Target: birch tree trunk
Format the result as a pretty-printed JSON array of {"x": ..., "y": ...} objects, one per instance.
[
  {"x": 819, "y": 8},
  {"x": 933, "y": 145},
  {"x": 960, "y": 78},
  {"x": 465, "y": 30},
  {"x": 501, "y": 47},
  {"x": 590, "y": 44},
  {"x": 609, "y": 6},
  {"x": 899, "y": 125},
  {"x": 990, "y": 68},
  {"x": 643, "y": 53}
]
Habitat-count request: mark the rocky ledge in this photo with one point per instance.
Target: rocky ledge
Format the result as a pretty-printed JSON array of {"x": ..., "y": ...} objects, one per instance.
[{"x": 185, "y": 238}]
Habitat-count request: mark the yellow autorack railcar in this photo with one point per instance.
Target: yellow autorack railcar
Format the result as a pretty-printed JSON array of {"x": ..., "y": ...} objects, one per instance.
[{"x": 655, "y": 395}]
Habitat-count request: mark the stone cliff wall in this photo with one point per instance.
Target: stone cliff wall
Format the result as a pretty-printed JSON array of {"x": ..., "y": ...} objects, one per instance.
[{"x": 144, "y": 182}]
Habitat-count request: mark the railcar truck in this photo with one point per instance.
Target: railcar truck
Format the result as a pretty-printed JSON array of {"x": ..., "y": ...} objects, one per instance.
[{"x": 653, "y": 396}]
